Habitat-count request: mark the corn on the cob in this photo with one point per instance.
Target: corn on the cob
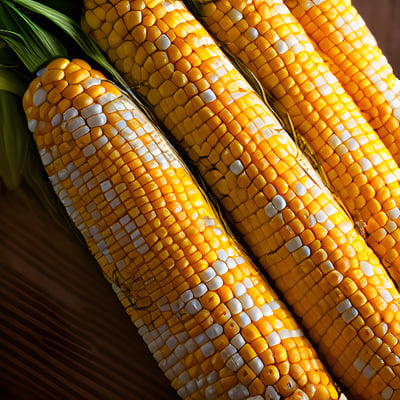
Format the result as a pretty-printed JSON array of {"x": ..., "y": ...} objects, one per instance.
[
  {"x": 357, "y": 164},
  {"x": 211, "y": 321},
  {"x": 301, "y": 236},
  {"x": 354, "y": 56}
]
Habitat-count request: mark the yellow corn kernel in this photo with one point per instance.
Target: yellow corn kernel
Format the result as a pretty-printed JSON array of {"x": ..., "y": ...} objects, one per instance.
[
  {"x": 356, "y": 60},
  {"x": 273, "y": 156},
  {"x": 155, "y": 236}
]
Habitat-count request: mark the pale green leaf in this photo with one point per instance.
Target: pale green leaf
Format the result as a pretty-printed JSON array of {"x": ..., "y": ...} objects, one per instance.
[
  {"x": 73, "y": 30},
  {"x": 33, "y": 45}
]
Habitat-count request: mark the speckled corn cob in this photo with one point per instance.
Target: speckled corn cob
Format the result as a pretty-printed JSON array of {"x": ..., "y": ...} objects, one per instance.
[
  {"x": 355, "y": 58},
  {"x": 211, "y": 321},
  {"x": 360, "y": 169},
  {"x": 300, "y": 235}
]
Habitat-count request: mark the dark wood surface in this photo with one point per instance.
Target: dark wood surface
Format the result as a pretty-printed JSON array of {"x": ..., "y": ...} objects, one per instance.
[{"x": 63, "y": 334}]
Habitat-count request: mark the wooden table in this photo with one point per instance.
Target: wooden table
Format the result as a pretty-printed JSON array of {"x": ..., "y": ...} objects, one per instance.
[{"x": 63, "y": 334}]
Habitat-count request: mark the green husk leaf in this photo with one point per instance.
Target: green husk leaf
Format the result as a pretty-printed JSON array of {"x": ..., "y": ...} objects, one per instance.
[
  {"x": 11, "y": 81},
  {"x": 33, "y": 45},
  {"x": 75, "y": 32},
  {"x": 7, "y": 56},
  {"x": 14, "y": 137},
  {"x": 21, "y": 47}
]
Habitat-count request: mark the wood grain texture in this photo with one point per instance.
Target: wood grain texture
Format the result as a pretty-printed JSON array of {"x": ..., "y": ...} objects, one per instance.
[{"x": 63, "y": 334}]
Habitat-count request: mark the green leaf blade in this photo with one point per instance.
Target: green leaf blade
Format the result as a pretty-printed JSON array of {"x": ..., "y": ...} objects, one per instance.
[
  {"x": 14, "y": 139},
  {"x": 33, "y": 45}
]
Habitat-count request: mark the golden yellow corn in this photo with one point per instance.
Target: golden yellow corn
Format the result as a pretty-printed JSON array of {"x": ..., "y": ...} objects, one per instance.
[
  {"x": 211, "y": 321},
  {"x": 359, "y": 167},
  {"x": 302, "y": 238},
  {"x": 341, "y": 34}
]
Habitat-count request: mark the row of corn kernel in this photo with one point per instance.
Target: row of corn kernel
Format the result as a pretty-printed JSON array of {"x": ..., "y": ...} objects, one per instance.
[
  {"x": 301, "y": 236},
  {"x": 356, "y": 162},
  {"x": 355, "y": 58}
]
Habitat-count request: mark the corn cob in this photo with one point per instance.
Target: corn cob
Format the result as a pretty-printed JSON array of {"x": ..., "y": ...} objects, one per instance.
[
  {"x": 360, "y": 169},
  {"x": 354, "y": 56},
  {"x": 302, "y": 238},
  {"x": 211, "y": 321}
]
